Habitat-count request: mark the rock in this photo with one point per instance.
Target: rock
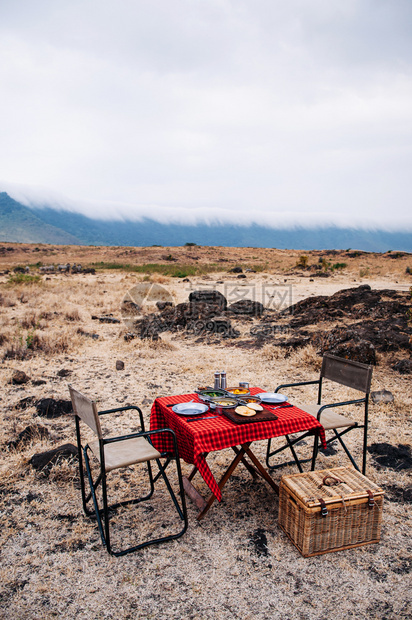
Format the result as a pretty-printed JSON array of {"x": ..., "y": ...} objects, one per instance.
[
  {"x": 360, "y": 351},
  {"x": 221, "y": 326},
  {"x": 19, "y": 377},
  {"x": 383, "y": 396},
  {"x": 39, "y": 382},
  {"x": 404, "y": 367},
  {"x": 161, "y": 305},
  {"x": 24, "y": 403},
  {"x": 248, "y": 307},
  {"x": 34, "y": 431},
  {"x": 129, "y": 336},
  {"x": 209, "y": 296},
  {"x": 50, "y": 408},
  {"x": 45, "y": 460},
  {"x": 236, "y": 270},
  {"x": 241, "y": 276},
  {"x": 119, "y": 365},
  {"x": 130, "y": 307},
  {"x": 64, "y": 372},
  {"x": 105, "y": 319}
]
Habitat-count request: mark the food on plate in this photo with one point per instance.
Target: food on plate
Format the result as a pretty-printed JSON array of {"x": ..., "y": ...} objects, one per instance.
[
  {"x": 208, "y": 394},
  {"x": 224, "y": 402},
  {"x": 245, "y": 411},
  {"x": 251, "y": 399},
  {"x": 255, "y": 406},
  {"x": 238, "y": 390}
]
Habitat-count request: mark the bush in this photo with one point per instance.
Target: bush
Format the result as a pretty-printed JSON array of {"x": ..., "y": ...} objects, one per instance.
[
  {"x": 302, "y": 263},
  {"x": 23, "y": 278},
  {"x": 338, "y": 266}
]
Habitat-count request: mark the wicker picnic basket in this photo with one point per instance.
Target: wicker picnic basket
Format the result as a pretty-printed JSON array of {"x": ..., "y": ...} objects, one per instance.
[{"x": 330, "y": 510}]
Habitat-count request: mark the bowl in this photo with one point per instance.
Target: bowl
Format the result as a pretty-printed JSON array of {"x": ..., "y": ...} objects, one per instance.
[
  {"x": 238, "y": 391},
  {"x": 224, "y": 402},
  {"x": 209, "y": 394},
  {"x": 251, "y": 399}
]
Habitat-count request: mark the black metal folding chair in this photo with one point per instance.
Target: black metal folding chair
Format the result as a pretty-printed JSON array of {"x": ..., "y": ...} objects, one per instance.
[
  {"x": 352, "y": 374},
  {"x": 120, "y": 452}
]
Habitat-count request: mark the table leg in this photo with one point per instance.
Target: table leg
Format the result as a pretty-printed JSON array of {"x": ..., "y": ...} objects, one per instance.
[
  {"x": 194, "y": 494},
  {"x": 222, "y": 482},
  {"x": 204, "y": 505},
  {"x": 260, "y": 467},
  {"x": 248, "y": 466}
]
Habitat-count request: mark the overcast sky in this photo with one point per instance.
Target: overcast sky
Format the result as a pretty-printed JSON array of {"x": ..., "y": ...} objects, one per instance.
[{"x": 273, "y": 111}]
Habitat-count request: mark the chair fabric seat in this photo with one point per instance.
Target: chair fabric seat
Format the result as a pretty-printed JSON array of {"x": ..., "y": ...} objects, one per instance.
[
  {"x": 125, "y": 453},
  {"x": 328, "y": 418}
]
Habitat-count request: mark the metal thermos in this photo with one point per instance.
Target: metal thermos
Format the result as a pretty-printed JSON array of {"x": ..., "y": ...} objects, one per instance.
[
  {"x": 217, "y": 380},
  {"x": 223, "y": 383}
]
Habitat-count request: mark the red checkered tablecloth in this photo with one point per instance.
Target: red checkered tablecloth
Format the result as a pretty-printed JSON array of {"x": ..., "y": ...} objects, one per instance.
[{"x": 196, "y": 439}]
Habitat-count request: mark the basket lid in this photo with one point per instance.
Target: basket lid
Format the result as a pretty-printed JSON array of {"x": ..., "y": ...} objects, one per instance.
[{"x": 330, "y": 485}]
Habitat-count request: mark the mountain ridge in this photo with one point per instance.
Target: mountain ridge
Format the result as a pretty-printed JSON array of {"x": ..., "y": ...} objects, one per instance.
[{"x": 21, "y": 223}]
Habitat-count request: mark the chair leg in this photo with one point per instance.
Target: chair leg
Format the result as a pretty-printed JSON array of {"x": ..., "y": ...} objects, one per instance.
[
  {"x": 348, "y": 454},
  {"x": 97, "y": 510},
  {"x": 290, "y": 443}
]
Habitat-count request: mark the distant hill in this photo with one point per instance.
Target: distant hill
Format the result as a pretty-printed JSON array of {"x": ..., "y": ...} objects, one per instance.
[
  {"x": 47, "y": 225},
  {"x": 21, "y": 224}
]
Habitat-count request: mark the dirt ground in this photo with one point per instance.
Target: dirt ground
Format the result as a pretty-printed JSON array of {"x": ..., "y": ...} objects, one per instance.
[{"x": 236, "y": 563}]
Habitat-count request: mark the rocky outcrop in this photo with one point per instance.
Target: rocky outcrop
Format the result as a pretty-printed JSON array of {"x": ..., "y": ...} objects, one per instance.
[{"x": 365, "y": 322}]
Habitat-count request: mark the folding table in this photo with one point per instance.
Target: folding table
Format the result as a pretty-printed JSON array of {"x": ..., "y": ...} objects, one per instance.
[{"x": 196, "y": 439}]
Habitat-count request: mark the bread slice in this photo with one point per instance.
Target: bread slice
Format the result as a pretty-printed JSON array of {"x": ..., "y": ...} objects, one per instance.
[{"x": 245, "y": 411}]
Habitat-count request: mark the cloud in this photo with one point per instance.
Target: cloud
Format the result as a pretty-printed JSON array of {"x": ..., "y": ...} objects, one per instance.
[{"x": 297, "y": 112}]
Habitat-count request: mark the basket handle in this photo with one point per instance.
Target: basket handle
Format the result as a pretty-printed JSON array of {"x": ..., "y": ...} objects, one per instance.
[{"x": 330, "y": 481}]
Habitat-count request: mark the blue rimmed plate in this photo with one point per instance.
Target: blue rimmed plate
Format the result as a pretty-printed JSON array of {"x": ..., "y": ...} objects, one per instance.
[
  {"x": 190, "y": 408},
  {"x": 272, "y": 398}
]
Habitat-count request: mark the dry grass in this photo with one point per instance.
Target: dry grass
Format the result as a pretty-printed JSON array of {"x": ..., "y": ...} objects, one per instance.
[{"x": 52, "y": 562}]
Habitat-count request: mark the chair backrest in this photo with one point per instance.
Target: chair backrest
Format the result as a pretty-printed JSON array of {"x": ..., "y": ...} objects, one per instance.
[
  {"x": 86, "y": 410},
  {"x": 347, "y": 372}
]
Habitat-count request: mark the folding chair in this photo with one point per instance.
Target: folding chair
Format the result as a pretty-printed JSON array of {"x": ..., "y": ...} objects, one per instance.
[
  {"x": 120, "y": 452},
  {"x": 352, "y": 374}
]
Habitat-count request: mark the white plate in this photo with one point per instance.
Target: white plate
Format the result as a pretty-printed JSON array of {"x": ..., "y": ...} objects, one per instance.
[
  {"x": 272, "y": 397},
  {"x": 190, "y": 408}
]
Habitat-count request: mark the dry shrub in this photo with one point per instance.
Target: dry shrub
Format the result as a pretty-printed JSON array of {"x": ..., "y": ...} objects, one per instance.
[
  {"x": 6, "y": 302},
  {"x": 50, "y": 344},
  {"x": 30, "y": 321},
  {"x": 159, "y": 279},
  {"x": 307, "y": 357},
  {"x": 17, "y": 352},
  {"x": 272, "y": 352},
  {"x": 151, "y": 348},
  {"x": 4, "y": 338},
  {"x": 72, "y": 315}
]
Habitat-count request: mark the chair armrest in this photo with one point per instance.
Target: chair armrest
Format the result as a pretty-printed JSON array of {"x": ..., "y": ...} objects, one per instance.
[
  {"x": 285, "y": 385},
  {"x": 346, "y": 402},
  {"x": 147, "y": 434},
  {"x": 127, "y": 408}
]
